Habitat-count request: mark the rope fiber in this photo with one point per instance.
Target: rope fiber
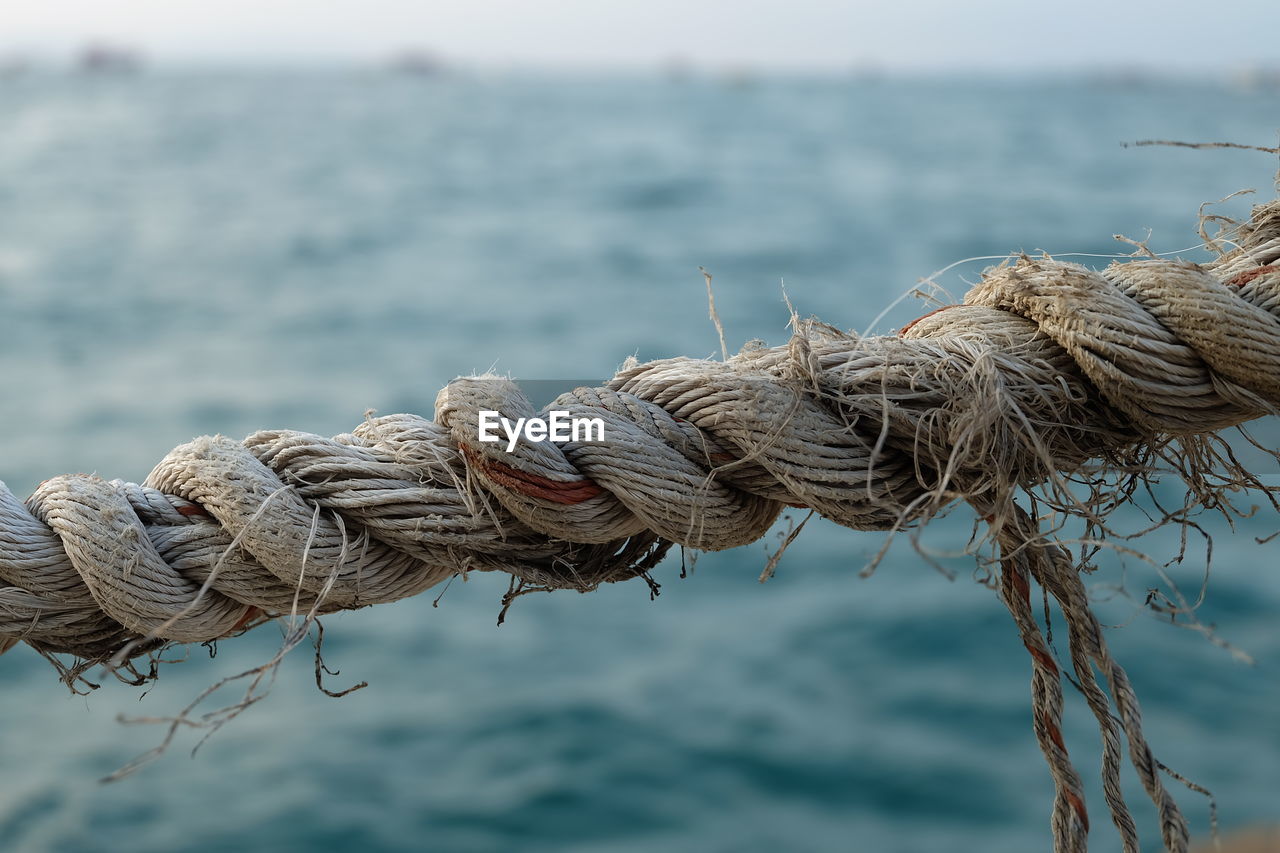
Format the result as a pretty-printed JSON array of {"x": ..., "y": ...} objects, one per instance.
[{"x": 1052, "y": 383}]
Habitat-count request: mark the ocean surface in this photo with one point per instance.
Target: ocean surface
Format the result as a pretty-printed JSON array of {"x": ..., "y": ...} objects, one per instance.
[{"x": 199, "y": 253}]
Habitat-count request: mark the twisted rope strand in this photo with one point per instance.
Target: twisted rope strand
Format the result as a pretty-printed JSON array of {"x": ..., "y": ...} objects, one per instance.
[{"x": 1048, "y": 374}]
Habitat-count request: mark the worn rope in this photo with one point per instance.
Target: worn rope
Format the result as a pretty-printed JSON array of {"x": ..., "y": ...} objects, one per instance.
[{"x": 1047, "y": 377}]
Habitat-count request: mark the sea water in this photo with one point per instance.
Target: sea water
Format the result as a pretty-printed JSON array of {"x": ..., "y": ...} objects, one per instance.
[{"x": 198, "y": 253}]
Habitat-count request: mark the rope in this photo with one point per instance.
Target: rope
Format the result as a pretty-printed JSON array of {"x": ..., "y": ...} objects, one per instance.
[{"x": 1048, "y": 377}]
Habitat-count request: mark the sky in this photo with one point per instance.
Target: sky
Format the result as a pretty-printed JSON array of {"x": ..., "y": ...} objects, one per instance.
[{"x": 1000, "y": 35}]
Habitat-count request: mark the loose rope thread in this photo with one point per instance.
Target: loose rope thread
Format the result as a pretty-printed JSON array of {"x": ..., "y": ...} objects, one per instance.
[{"x": 1050, "y": 380}]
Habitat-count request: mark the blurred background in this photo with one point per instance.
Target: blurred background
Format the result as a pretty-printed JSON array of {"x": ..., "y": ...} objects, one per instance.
[{"x": 217, "y": 218}]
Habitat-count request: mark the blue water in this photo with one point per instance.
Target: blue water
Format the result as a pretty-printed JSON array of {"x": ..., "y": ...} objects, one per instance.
[{"x": 197, "y": 253}]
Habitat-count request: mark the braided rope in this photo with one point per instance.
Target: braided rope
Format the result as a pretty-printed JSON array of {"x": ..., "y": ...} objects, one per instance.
[{"x": 1048, "y": 371}]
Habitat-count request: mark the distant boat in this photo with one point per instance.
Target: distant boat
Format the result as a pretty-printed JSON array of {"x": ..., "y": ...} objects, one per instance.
[
  {"x": 1123, "y": 77},
  {"x": 677, "y": 69},
  {"x": 740, "y": 78},
  {"x": 108, "y": 59},
  {"x": 420, "y": 63},
  {"x": 1257, "y": 78}
]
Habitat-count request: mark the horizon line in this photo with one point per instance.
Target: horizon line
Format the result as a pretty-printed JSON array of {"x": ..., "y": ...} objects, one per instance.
[{"x": 428, "y": 62}]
